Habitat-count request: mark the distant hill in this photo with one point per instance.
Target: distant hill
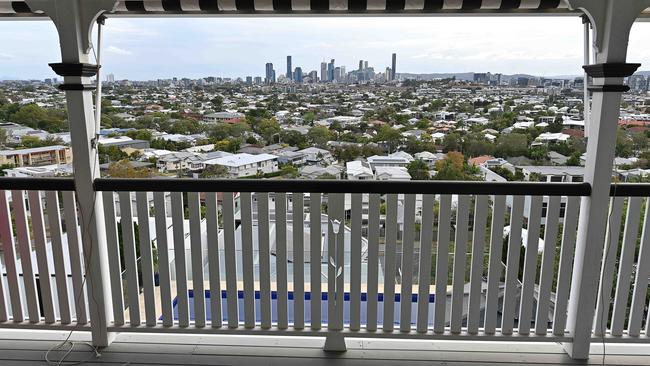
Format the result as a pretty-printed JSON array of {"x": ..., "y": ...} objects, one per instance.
[
  {"x": 469, "y": 76},
  {"x": 432, "y": 76}
]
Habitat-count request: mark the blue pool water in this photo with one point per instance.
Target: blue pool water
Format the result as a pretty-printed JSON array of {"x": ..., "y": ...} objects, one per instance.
[{"x": 307, "y": 307}]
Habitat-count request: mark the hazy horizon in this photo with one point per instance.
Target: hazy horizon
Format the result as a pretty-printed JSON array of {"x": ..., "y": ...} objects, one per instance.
[{"x": 162, "y": 48}]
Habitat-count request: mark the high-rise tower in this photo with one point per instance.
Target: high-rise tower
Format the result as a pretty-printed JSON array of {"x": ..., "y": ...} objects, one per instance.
[
  {"x": 394, "y": 68},
  {"x": 289, "y": 68},
  {"x": 270, "y": 73}
]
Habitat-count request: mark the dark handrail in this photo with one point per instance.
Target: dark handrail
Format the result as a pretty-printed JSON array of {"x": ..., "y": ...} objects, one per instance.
[
  {"x": 37, "y": 184},
  {"x": 324, "y": 186},
  {"x": 342, "y": 186},
  {"x": 630, "y": 190}
]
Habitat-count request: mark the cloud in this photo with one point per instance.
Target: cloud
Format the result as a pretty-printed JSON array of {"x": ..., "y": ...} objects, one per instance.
[
  {"x": 6, "y": 56},
  {"x": 118, "y": 51}
]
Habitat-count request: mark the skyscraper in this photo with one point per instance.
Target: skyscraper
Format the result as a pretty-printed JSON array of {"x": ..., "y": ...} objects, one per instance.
[
  {"x": 394, "y": 68},
  {"x": 323, "y": 71},
  {"x": 330, "y": 71},
  {"x": 365, "y": 65},
  {"x": 360, "y": 65},
  {"x": 270, "y": 73},
  {"x": 337, "y": 74},
  {"x": 289, "y": 68},
  {"x": 297, "y": 75},
  {"x": 249, "y": 80}
]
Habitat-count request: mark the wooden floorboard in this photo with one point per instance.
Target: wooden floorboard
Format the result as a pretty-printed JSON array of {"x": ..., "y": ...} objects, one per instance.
[{"x": 165, "y": 349}]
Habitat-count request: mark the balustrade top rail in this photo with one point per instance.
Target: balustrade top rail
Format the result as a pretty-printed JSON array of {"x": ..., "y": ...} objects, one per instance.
[
  {"x": 37, "y": 184},
  {"x": 324, "y": 186},
  {"x": 342, "y": 186}
]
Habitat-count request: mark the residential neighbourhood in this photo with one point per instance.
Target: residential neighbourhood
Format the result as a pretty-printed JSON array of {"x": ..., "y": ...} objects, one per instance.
[{"x": 518, "y": 128}]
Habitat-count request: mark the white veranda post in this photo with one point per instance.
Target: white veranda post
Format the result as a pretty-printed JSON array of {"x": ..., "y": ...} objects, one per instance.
[
  {"x": 74, "y": 21},
  {"x": 612, "y": 20}
]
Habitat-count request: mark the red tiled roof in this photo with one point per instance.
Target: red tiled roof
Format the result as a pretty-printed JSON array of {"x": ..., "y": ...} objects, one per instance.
[{"x": 480, "y": 160}]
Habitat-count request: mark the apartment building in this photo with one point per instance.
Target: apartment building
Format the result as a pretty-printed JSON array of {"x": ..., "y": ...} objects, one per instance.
[{"x": 46, "y": 155}]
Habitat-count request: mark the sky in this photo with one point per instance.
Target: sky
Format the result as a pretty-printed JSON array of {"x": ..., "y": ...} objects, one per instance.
[{"x": 145, "y": 49}]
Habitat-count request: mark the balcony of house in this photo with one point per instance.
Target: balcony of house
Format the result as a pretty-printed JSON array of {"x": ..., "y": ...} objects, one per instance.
[
  {"x": 462, "y": 263},
  {"x": 241, "y": 271}
]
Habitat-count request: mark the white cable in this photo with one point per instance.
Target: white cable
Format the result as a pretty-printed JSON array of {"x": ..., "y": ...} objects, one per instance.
[{"x": 98, "y": 62}]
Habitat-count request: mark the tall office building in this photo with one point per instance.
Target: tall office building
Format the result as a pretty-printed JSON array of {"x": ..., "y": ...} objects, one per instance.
[
  {"x": 257, "y": 80},
  {"x": 323, "y": 71},
  {"x": 389, "y": 74},
  {"x": 289, "y": 68},
  {"x": 360, "y": 65},
  {"x": 330, "y": 71},
  {"x": 343, "y": 74},
  {"x": 337, "y": 74},
  {"x": 313, "y": 76},
  {"x": 297, "y": 75},
  {"x": 394, "y": 67},
  {"x": 365, "y": 65},
  {"x": 270, "y": 73}
]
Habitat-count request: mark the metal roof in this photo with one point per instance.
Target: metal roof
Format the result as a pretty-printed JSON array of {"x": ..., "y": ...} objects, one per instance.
[{"x": 318, "y": 7}]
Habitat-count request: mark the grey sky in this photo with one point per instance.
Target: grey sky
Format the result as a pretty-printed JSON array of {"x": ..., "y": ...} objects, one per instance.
[{"x": 195, "y": 47}]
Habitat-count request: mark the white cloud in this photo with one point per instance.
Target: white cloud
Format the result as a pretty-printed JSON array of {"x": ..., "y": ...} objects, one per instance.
[
  {"x": 6, "y": 56},
  {"x": 118, "y": 51}
]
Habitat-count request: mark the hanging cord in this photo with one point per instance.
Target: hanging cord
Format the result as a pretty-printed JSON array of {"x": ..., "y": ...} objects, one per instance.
[
  {"x": 605, "y": 297},
  {"x": 85, "y": 225}
]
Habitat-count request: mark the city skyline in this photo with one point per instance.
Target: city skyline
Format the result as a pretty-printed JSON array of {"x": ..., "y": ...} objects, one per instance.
[{"x": 149, "y": 49}]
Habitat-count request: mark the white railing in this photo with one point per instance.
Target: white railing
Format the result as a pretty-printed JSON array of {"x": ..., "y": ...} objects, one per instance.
[
  {"x": 623, "y": 296},
  {"x": 427, "y": 260},
  {"x": 42, "y": 266},
  {"x": 268, "y": 252}
]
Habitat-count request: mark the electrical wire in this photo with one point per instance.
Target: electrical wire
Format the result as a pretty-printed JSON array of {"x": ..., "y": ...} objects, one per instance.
[{"x": 603, "y": 297}]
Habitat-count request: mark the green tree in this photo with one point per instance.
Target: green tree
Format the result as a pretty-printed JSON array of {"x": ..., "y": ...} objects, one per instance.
[
  {"x": 419, "y": 170},
  {"x": 124, "y": 169},
  {"x": 624, "y": 145},
  {"x": 309, "y": 117},
  {"x": 294, "y": 138},
  {"x": 511, "y": 144},
  {"x": 326, "y": 176},
  {"x": 268, "y": 128},
  {"x": 389, "y": 136},
  {"x": 451, "y": 142},
  {"x": 217, "y": 102},
  {"x": 214, "y": 171},
  {"x": 319, "y": 135},
  {"x": 141, "y": 134}
]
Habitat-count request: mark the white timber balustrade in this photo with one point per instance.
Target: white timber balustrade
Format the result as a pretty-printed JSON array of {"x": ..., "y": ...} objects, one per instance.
[
  {"x": 476, "y": 264},
  {"x": 343, "y": 259}
]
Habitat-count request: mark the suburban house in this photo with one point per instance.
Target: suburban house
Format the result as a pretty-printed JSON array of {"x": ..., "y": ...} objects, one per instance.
[
  {"x": 358, "y": 170},
  {"x": 246, "y": 165},
  {"x": 399, "y": 158},
  {"x": 392, "y": 173},
  {"x": 222, "y": 117}
]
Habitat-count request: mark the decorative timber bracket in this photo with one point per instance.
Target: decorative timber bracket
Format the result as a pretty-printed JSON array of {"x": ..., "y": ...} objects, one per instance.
[{"x": 74, "y": 19}]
